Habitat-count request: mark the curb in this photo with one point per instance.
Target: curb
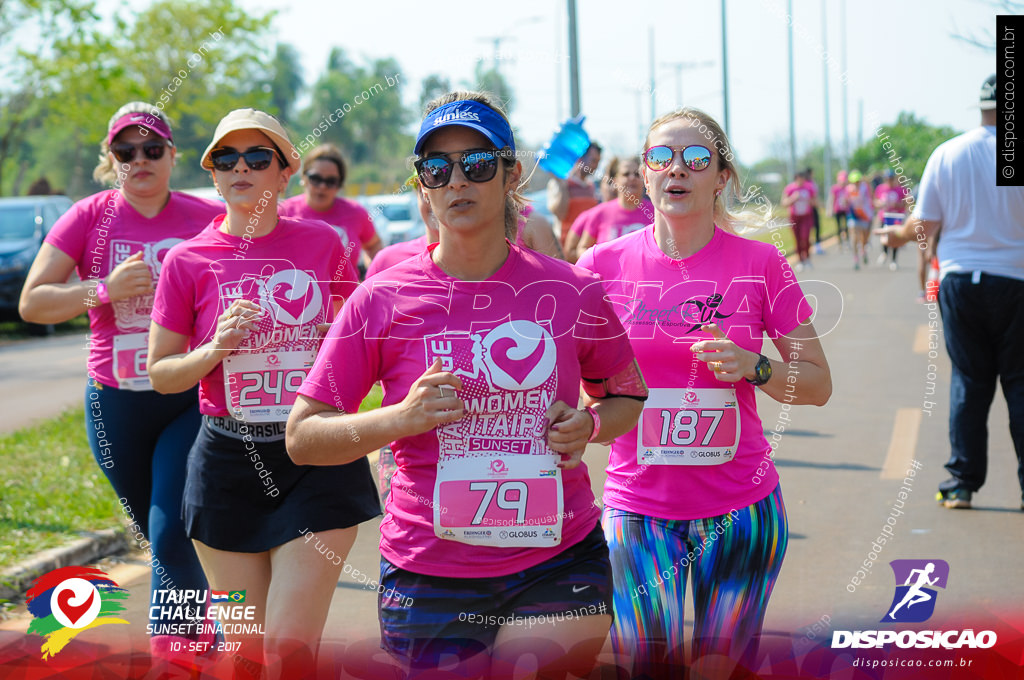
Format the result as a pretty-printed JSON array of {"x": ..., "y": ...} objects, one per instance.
[{"x": 91, "y": 546}]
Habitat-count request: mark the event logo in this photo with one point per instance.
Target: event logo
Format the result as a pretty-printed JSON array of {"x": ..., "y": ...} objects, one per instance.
[
  {"x": 70, "y": 600},
  {"x": 519, "y": 355},
  {"x": 914, "y": 600}
]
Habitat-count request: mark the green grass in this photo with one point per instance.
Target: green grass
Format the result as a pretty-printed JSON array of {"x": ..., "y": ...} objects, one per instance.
[
  {"x": 828, "y": 229},
  {"x": 54, "y": 488}
]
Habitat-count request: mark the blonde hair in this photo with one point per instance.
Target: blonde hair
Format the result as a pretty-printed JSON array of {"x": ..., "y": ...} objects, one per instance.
[
  {"x": 743, "y": 222},
  {"x": 105, "y": 172},
  {"x": 515, "y": 201}
]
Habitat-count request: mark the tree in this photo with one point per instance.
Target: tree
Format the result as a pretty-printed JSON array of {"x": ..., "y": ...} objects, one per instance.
[
  {"x": 490, "y": 80},
  {"x": 194, "y": 60},
  {"x": 903, "y": 146},
  {"x": 21, "y": 90},
  {"x": 360, "y": 110},
  {"x": 433, "y": 86},
  {"x": 285, "y": 81}
]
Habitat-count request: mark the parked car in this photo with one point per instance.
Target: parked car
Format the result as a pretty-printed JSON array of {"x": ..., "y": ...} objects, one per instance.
[
  {"x": 24, "y": 222},
  {"x": 395, "y": 216}
]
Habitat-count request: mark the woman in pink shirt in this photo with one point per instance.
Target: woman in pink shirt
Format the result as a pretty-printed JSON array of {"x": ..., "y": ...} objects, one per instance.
[
  {"x": 692, "y": 492},
  {"x": 239, "y": 310},
  {"x": 630, "y": 210},
  {"x": 116, "y": 240},
  {"x": 480, "y": 346},
  {"x": 323, "y": 176}
]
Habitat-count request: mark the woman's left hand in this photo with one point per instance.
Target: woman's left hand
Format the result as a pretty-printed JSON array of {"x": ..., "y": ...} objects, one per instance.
[
  {"x": 568, "y": 433},
  {"x": 729, "y": 362}
]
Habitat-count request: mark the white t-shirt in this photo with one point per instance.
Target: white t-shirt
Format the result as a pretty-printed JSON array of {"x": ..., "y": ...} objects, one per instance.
[{"x": 982, "y": 224}]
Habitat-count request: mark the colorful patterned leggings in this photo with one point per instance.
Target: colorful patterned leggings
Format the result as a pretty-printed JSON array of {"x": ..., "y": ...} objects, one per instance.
[{"x": 733, "y": 559}]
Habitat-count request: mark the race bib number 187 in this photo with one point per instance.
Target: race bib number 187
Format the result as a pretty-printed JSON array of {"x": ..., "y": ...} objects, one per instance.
[{"x": 688, "y": 427}]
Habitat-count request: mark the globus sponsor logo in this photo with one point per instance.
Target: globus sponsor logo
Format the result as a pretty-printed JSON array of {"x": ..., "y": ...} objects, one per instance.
[{"x": 917, "y": 639}]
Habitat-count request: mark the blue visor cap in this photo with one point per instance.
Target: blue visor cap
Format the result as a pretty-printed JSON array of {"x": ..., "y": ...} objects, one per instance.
[{"x": 471, "y": 114}]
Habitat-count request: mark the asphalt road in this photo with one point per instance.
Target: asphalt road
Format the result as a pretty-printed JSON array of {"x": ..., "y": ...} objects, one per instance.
[
  {"x": 40, "y": 378},
  {"x": 842, "y": 468}
]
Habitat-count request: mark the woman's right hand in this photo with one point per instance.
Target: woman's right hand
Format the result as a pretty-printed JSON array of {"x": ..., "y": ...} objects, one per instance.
[
  {"x": 432, "y": 400},
  {"x": 130, "y": 278},
  {"x": 235, "y": 323}
]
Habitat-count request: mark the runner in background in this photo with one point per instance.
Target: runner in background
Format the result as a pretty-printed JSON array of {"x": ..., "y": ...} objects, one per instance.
[
  {"x": 631, "y": 210},
  {"x": 813, "y": 186},
  {"x": 799, "y": 197},
  {"x": 609, "y": 192},
  {"x": 859, "y": 216},
  {"x": 839, "y": 205},
  {"x": 323, "y": 176},
  {"x": 535, "y": 233},
  {"x": 981, "y": 297},
  {"x": 692, "y": 492},
  {"x": 491, "y": 518},
  {"x": 391, "y": 255},
  {"x": 238, "y": 310},
  {"x": 567, "y": 198},
  {"x": 889, "y": 203},
  {"x": 116, "y": 241},
  {"x": 607, "y": 187}
]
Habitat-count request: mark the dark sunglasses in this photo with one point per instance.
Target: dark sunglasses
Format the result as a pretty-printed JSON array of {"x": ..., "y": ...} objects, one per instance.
[
  {"x": 695, "y": 157},
  {"x": 125, "y": 152},
  {"x": 257, "y": 158},
  {"x": 321, "y": 181},
  {"x": 478, "y": 165}
]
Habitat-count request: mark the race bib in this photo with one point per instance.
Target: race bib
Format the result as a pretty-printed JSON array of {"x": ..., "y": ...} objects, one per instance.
[
  {"x": 130, "y": 352},
  {"x": 688, "y": 427},
  {"x": 499, "y": 500},
  {"x": 262, "y": 387}
]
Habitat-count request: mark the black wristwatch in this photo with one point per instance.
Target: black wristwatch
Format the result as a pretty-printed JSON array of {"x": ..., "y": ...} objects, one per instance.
[{"x": 762, "y": 371}]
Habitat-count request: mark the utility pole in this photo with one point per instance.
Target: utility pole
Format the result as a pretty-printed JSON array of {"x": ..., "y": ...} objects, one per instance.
[
  {"x": 725, "y": 75},
  {"x": 574, "y": 62}
]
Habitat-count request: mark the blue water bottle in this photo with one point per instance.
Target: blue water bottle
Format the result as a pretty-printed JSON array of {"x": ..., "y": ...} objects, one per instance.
[{"x": 565, "y": 148}]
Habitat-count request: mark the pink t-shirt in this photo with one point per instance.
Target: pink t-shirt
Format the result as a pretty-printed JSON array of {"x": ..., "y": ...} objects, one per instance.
[
  {"x": 349, "y": 218},
  {"x": 892, "y": 197},
  {"x": 292, "y": 273},
  {"x": 98, "y": 233},
  {"x": 519, "y": 341},
  {"x": 400, "y": 252},
  {"x": 805, "y": 192},
  {"x": 840, "y": 201},
  {"x": 748, "y": 290},
  {"x": 609, "y": 220}
]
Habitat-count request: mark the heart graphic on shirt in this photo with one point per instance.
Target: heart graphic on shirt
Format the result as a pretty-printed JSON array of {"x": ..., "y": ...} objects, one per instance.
[
  {"x": 293, "y": 297},
  {"x": 520, "y": 355}
]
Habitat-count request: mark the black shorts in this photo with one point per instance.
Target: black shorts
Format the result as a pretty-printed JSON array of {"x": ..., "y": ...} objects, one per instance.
[
  {"x": 423, "y": 618},
  {"x": 248, "y": 496}
]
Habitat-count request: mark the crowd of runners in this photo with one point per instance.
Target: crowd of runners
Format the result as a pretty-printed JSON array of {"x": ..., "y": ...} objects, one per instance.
[{"x": 232, "y": 344}]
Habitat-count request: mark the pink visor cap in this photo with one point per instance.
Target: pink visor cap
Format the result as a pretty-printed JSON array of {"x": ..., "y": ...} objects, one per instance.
[{"x": 143, "y": 120}]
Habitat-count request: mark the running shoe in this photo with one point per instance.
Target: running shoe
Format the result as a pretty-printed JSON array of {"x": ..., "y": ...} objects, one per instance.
[
  {"x": 922, "y": 298},
  {"x": 882, "y": 257},
  {"x": 893, "y": 266},
  {"x": 865, "y": 258},
  {"x": 856, "y": 266},
  {"x": 954, "y": 498},
  {"x": 818, "y": 250}
]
